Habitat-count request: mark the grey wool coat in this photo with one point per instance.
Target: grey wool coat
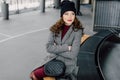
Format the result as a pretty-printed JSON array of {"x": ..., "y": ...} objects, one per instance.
[{"x": 60, "y": 51}]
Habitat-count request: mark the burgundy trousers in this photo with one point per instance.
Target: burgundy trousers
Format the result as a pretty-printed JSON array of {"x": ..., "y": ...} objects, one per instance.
[{"x": 39, "y": 73}]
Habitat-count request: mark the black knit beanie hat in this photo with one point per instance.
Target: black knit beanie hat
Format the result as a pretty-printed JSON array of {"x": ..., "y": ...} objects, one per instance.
[{"x": 67, "y": 5}]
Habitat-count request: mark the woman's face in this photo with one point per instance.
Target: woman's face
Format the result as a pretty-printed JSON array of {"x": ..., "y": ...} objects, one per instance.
[{"x": 68, "y": 17}]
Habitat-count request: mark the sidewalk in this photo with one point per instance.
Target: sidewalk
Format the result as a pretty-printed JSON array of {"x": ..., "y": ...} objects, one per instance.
[
  {"x": 26, "y": 22},
  {"x": 23, "y": 39}
]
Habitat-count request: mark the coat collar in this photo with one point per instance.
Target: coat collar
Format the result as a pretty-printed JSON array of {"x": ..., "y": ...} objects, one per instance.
[{"x": 67, "y": 35}]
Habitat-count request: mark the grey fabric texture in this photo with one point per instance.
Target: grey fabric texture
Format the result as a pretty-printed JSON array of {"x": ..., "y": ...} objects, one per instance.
[{"x": 60, "y": 50}]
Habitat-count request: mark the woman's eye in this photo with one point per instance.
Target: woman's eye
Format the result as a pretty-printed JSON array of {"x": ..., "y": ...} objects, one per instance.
[
  {"x": 73, "y": 13},
  {"x": 66, "y": 13}
]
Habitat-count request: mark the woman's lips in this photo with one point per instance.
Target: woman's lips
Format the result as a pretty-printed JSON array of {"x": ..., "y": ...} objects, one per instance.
[{"x": 69, "y": 20}]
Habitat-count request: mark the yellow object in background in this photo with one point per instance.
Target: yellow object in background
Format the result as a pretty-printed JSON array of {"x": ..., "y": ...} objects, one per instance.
[{"x": 49, "y": 78}]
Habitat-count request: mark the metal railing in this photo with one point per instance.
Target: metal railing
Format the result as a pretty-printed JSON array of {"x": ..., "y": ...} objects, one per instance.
[
  {"x": 106, "y": 15},
  {"x": 17, "y": 6}
]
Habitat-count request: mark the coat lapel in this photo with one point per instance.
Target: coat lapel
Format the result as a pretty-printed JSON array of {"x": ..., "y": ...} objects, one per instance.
[
  {"x": 58, "y": 38},
  {"x": 67, "y": 35}
]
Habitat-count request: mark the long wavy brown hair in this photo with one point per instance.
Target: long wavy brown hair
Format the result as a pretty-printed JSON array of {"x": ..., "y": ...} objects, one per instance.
[{"x": 57, "y": 27}]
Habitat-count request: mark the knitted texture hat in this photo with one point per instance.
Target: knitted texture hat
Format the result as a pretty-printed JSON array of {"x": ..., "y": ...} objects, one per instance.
[{"x": 67, "y": 6}]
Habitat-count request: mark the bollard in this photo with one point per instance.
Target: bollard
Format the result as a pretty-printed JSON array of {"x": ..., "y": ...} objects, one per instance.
[
  {"x": 5, "y": 11},
  {"x": 42, "y": 6}
]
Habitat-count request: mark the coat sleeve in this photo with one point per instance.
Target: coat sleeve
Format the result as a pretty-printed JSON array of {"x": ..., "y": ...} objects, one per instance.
[
  {"x": 75, "y": 46},
  {"x": 55, "y": 49}
]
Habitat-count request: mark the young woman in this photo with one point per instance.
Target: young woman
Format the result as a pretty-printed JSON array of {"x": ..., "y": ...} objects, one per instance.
[{"x": 64, "y": 42}]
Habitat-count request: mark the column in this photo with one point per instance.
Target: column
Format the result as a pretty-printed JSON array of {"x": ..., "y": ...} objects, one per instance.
[
  {"x": 57, "y": 4},
  {"x": 77, "y": 5},
  {"x": 42, "y": 6},
  {"x": 5, "y": 10}
]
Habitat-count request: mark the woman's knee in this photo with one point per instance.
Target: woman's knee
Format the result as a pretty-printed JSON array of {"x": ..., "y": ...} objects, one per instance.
[{"x": 32, "y": 76}]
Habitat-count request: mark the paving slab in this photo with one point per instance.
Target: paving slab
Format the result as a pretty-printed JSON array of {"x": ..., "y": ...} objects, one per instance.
[{"x": 20, "y": 55}]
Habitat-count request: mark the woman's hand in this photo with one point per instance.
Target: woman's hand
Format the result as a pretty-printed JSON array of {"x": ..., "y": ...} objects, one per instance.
[
  {"x": 55, "y": 44},
  {"x": 69, "y": 48}
]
